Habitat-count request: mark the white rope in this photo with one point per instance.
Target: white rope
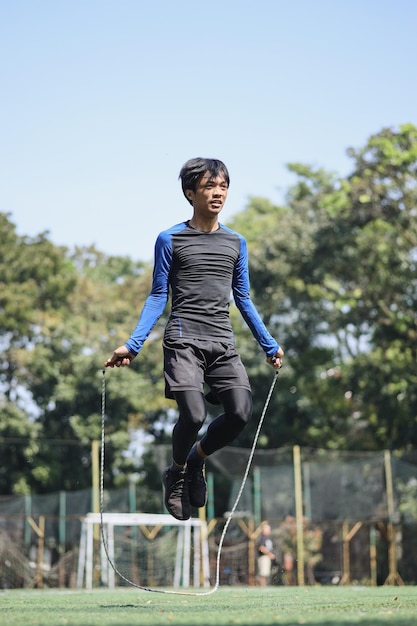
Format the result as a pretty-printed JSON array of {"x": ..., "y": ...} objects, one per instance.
[{"x": 229, "y": 517}]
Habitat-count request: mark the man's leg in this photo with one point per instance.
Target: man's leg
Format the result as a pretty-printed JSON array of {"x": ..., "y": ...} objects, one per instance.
[
  {"x": 222, "y": 431},
  {"x": 192, "y": 413},
  {"x": 226, "y": 427}
]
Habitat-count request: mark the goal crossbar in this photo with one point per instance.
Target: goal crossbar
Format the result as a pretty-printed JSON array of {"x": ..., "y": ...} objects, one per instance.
[{"x": 192, "y": 533}]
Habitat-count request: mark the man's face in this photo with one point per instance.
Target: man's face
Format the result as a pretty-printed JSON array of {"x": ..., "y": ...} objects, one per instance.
[{"x": 210, "y": 195}]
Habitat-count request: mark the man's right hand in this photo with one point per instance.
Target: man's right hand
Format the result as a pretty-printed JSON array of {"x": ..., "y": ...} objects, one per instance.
[
  {"x": 120, "y": 358},
  {"x": 276, "y": 360}
]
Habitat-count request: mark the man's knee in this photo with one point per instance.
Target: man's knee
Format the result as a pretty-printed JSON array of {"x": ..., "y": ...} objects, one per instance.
[
  {"x": 192, "y": 408},
  {"x": 238, "y": 405}
]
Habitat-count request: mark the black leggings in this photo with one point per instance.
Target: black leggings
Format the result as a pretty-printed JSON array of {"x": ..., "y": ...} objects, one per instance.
[{"x": 237, "y": 404}]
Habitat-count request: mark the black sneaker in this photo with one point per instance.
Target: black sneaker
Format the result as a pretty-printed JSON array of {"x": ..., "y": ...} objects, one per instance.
[
  {"x": 197, "y": 487},
  {"x": 176, "y": 493}
]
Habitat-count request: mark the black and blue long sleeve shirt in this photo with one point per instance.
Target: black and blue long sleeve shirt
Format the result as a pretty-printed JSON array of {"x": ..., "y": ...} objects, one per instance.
[{"x": 201, "y": 270}]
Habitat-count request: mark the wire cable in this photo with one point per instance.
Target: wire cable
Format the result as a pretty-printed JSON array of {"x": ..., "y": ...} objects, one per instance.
[{"x": 229, "y": 516}]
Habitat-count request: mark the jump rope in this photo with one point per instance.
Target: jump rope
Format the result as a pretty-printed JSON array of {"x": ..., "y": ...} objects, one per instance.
[{"x": 228, "y": 519}]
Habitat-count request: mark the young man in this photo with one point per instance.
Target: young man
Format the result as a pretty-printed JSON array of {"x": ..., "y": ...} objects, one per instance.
[{"x": 201, "y": 262}]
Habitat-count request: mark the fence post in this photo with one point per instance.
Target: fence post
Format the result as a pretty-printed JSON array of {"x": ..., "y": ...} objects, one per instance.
[
  {"x": 372, "y": 554},
  {"x": 62, "y": 536},
  {"x": 257, "y": 507},
  {"x": 298, "y": 486},
  {"x": 210, "y": 495},
  {"x": 28, "y": 513},
  {"x": 393, "y": 575},
  {"x": 95, "y": 477}
]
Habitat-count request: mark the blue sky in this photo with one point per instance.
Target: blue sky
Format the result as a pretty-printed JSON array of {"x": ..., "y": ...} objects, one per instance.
[{"x": 102, "y": 101}]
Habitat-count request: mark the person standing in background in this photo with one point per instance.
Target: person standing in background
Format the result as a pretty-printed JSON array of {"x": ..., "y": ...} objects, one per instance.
[{"x": 265, "y": 555}]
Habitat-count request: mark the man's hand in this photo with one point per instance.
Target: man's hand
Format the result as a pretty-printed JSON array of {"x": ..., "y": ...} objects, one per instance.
[
  {"x": 276, "y": 360},
  {"x": 120, "y": 358}
]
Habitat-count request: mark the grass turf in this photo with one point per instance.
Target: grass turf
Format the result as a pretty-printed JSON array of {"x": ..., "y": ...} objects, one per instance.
[{"x": 287, "y": 606}]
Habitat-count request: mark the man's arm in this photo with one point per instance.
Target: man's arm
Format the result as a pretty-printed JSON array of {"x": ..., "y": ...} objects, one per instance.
[
  {"x": 155, "y": 303},
  {"x": 152, "y": 309},
  {"x": 264, "y": 550},
  {"x": 243, "y": 301}
]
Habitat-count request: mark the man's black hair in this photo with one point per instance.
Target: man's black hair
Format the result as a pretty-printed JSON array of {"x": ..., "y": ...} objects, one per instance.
[{"x": 194, "y": 169}]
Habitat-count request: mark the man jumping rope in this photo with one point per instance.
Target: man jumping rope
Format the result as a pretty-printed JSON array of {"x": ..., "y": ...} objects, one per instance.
[{"x": 201, "y": 262}]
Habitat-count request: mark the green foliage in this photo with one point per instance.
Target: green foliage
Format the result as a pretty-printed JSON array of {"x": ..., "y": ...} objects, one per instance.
[
  {"x": 61, "y": 315},
  {"x": 18, "y": 447},
  {"x": 35, "y": 277},
  {"x": 333, "y": 274}
]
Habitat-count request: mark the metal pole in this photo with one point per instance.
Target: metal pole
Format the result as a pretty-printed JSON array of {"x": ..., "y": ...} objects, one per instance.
[
  {"x": 257, "y": 508},
  {"x": 210, "y": 495},
  {"x": 95, "y": 483},
  {"x": 372, "y": 554},
  {"x": 62, "y": 535}
]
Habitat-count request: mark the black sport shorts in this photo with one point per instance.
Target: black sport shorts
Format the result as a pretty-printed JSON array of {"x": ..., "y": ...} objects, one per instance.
[{"x": 188, "y": 364}]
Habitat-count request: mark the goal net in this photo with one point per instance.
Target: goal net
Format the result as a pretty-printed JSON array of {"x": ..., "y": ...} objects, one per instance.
[{"x": 148, "y": 550}]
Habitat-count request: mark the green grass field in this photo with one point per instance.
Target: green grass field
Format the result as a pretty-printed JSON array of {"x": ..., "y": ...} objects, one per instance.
[{"x": 327, "y": 606}]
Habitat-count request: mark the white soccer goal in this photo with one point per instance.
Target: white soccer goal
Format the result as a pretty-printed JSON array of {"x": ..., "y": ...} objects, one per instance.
[{"x": 148, "y": 549}]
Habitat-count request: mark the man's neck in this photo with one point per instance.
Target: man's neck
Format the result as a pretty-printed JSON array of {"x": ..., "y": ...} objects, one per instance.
[{"x": 206, "y": 226}]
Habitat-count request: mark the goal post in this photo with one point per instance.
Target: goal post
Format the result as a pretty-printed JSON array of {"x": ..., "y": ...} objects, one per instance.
[{"x": 148, "y": 549}]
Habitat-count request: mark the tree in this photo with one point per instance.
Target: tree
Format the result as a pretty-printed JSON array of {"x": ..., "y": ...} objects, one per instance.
[
  {"x": 61, "y": 314},
  {"x": 337, "y": 275},
  {"x": 67, "y": 373},
  {"x": 380, "y": 226},
  {"x": 333, "y": 274},
  {"x": 35, "y": 280},
  {"x": 281, "y": 242}
]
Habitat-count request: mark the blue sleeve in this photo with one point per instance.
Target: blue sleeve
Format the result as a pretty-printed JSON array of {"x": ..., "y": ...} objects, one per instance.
[
  {"x": 155, "y": 303},
  {"x": 241, "y": 295}
]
